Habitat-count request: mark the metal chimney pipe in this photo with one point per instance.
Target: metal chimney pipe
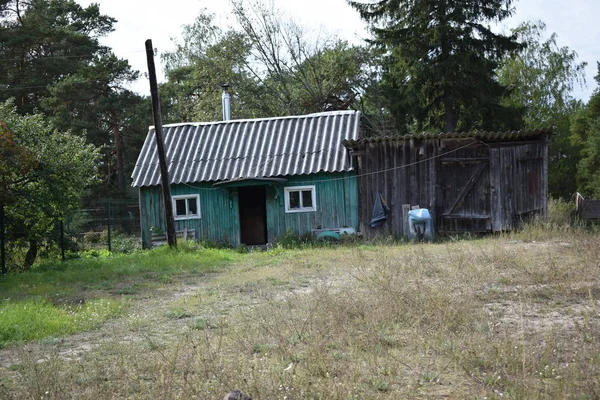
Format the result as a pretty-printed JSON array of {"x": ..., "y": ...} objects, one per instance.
[{"x": 226, "y": 102}]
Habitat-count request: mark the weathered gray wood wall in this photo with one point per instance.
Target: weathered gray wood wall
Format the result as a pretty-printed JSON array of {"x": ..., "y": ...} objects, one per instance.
[
  {"x": 588, "y": 209},
  {"x": 469, "y": 185}
]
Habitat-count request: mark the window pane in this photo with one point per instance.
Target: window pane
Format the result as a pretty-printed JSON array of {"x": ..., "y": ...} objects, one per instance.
[
  {"x": 180, "y": 207},
  {"x": 307, "y": 199},
  {"x": 294, "y": 200},
  {"x": 192, "y": 206}
]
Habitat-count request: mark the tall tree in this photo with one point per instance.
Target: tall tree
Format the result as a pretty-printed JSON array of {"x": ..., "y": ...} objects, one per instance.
[
  {"x": 273, "y": 66},
  {"x": 541, "y": 80},
  {"x": 41, "y": 42},
  {"x": 299, "y": 71},
  {"x": 51, "y": 61},
  {"x": 207, "y": 58},
  {"x": 96, "y": 100},
  {"x": 441, "y": 58}
]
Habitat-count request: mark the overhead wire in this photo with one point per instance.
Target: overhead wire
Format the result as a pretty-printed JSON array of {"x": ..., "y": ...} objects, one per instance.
[{"x": 407, "y": 165}]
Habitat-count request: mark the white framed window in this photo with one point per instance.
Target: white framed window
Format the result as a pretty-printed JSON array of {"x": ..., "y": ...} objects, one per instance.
[
  {"x": 300, "y": 199},
  {"x": 186, "y": 206}
]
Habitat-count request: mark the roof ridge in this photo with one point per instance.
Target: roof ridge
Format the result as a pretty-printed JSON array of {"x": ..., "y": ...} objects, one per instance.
[{"x": 304, "y": 116}]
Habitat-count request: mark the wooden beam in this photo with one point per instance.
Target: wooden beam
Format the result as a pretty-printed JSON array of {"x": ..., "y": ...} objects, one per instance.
[{"x": 467, "y": 188}]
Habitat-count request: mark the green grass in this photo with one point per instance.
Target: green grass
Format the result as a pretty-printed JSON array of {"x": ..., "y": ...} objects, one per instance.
[
  {"x": 37, "y": 319},
  {"x": 119, "y": 272},
  {"x": 43, "y": 302}
]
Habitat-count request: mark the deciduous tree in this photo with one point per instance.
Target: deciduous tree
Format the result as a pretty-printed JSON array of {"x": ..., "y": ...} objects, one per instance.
[
  {"x": 274, "y": 68},
  {"x": 43, "y": 174},
  {"x": 585, "y": 131},
  {"x": 541, "y": 79}
]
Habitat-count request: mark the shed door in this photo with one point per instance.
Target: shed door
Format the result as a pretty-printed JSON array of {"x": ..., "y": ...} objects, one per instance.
[
  {"x": 465, "y": 194},
  {"x": 253, "y": 215}
]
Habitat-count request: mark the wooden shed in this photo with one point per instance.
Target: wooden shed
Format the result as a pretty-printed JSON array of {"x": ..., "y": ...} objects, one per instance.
[{"x": 469, "y": 181}]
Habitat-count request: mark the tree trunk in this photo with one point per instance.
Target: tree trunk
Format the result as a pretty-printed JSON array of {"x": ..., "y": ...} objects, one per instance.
[
  {"x": 119, "y": 151},
  {"x": 31, "y": 254},
  {"x": 449, "y": 114}
]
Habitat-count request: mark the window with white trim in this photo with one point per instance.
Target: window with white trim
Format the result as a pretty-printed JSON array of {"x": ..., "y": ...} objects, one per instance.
[
  {"x": 186, "y": 206},
  {"x": 300, "y": 199}
]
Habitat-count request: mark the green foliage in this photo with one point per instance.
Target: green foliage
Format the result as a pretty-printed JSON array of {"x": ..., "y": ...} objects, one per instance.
[
  {"x": 57, "y": 169},
  {"x": 440, "y": 60},
  {"x": 196, "y": 69},
  {"x": 296, "y": 72},
  {"x": 273, "y": 66},
  {"x": 52, "y": 62},
  {"x": 541, "y": 80},
  {"x": 291, "y": 240},
  {"x": 42, "y": 42},
  {"x": 177, "y": 313},
  {"x": 585, "y": 133},
  {"x": 37, "y": 319},
  {"x": 541, "y": 77},
  {"x": 94, "y": 102}
]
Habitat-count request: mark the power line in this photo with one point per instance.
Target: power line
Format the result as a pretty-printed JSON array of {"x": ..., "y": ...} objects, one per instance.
[
  {"x": 363, "y": 174},
  {"x": 17, "y": 88},
  {"x": 400, "y": 166},
  {"x": 88, "y": 56}
]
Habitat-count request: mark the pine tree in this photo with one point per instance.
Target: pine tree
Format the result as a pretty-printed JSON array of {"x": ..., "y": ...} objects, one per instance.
[
  {"x": 41, "y": 42},
  {"x": 441, "y": 58}
]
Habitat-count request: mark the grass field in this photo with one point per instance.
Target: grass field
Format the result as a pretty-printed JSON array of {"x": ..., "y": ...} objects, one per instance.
[{"x": 515, "y": 316}]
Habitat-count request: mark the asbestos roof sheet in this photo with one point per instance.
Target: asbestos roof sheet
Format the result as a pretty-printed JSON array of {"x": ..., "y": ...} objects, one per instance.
[
  {"x": 253, "y": 148},
  {"x": 481, "y": 135}
]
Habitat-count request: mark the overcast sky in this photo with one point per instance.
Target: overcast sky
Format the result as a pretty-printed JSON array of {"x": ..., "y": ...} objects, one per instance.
[{"x": 574, "y": 21}]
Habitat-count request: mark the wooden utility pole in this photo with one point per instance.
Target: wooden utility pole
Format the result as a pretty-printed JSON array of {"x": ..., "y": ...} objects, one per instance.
[{"x": 160, "y": 145}]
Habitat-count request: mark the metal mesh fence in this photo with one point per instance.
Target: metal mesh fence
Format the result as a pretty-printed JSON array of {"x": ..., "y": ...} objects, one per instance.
[
  {"x": 104, "y": 226},
  {"x": 107, "y": 224}
]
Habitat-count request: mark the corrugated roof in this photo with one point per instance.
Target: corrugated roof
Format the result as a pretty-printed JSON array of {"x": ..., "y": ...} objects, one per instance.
[
  {"x": 253, "y": 148},
  {"x": 482, "y": 135}
]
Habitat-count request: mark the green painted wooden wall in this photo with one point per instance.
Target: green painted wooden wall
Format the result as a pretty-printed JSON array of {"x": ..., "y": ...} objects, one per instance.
[{"x": 336, "y": 198}]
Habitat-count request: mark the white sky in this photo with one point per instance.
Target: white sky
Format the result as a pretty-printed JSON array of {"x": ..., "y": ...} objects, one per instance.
[{"x": 575, "y": 22}]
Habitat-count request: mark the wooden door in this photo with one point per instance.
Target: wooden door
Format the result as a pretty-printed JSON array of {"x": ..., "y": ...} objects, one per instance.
[
  {"x": 253, "y": 215},
  {"x": 464, "y": 190}
]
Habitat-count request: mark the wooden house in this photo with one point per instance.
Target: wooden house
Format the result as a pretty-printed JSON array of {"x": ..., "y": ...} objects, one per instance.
[
  {"x": 250, "y": 181},
  {"x": 470, "y": 182}
]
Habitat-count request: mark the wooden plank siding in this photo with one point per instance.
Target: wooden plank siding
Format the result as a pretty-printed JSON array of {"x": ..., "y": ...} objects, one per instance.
[
  {"x": 468, "y": 185},
  {"x": 337, "y": 199},
  {"x": 336, "y": 207},
  {"x": 402, "y": 175},
  {"x": 218, "y": 222}
]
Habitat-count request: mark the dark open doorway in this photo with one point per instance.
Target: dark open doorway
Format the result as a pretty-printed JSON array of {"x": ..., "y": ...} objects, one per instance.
[{"x": 253, "y": 215}]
